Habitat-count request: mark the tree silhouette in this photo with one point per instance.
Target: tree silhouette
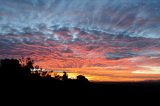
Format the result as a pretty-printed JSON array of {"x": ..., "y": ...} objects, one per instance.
[
  {"x": 12, "y": 69},
  {"x": 29, "y": 63},
  {"x": 82, "y": 78},
  {"x": 65, "y": 76},
  {"x": 20, "y": 70}
]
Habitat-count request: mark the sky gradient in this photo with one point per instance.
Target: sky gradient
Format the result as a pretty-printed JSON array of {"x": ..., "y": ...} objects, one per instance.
[{"x": 105, "y": 40}]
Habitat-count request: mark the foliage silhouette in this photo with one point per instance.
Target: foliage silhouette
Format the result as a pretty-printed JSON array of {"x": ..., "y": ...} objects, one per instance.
[
  {"x": 82, "y": 78},
  {"x": 20, "y": 78},
  {"x": 65, "y": 76},
  {"x": 14, "y": 69}
]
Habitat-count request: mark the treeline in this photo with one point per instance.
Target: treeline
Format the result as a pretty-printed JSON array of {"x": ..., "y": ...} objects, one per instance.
[{"x": 21, "y": 70}]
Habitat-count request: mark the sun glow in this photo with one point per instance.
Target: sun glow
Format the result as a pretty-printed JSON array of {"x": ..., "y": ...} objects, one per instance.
[
  {"x": 148, "y": 70},
  {"x": 101, "y": 74}
]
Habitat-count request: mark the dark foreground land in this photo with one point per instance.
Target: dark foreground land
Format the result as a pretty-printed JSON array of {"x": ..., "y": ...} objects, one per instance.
[
  {"x": 76, "y": 93},
  {"x": 19, "y": 85}
]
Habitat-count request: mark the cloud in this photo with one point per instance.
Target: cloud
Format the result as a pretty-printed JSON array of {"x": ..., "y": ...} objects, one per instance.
[
  {"x": 130, "y": 54},
  {"x": 114, "y": 17},
  {"x": 67, "y": 50},
  {"x": 120, "y": 55},
  {"x": 148, "y": 70}
]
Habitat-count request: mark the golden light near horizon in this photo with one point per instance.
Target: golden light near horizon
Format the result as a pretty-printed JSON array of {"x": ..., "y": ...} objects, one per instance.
[
  {"x": 99, "y": 74},
  {"x": 70, "y": 75},
  {"x": 149, "y": 70}
]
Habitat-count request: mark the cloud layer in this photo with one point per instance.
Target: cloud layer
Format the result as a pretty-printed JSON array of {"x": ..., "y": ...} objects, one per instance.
[
  {"x": 111, "y": 35},
  {"x": 138, "y": 18}
]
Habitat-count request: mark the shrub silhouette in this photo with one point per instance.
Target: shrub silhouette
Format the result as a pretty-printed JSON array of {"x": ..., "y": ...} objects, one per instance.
[
  {"x": 82, "y": 78},
  {"x": 14, "y": 69},
  {"x": 65, "y": 76},
  {"x": 11, "y": 68}
]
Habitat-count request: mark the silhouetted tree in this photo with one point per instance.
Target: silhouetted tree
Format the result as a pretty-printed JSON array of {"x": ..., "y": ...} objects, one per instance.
[
  {"x": 12, "y": 68},
  {"x": 57, "y": 77},
  {"x": 37, "y": 67},
  {"x": 82, "y": 78},
  {"x": 65, "y": 76},
  {"x": 29, "y": 63},
  {"x": 18, "y": 70}
]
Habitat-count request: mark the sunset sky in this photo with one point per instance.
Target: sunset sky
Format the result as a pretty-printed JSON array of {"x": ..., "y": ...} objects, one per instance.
[{"x": 105, "y": 40}]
